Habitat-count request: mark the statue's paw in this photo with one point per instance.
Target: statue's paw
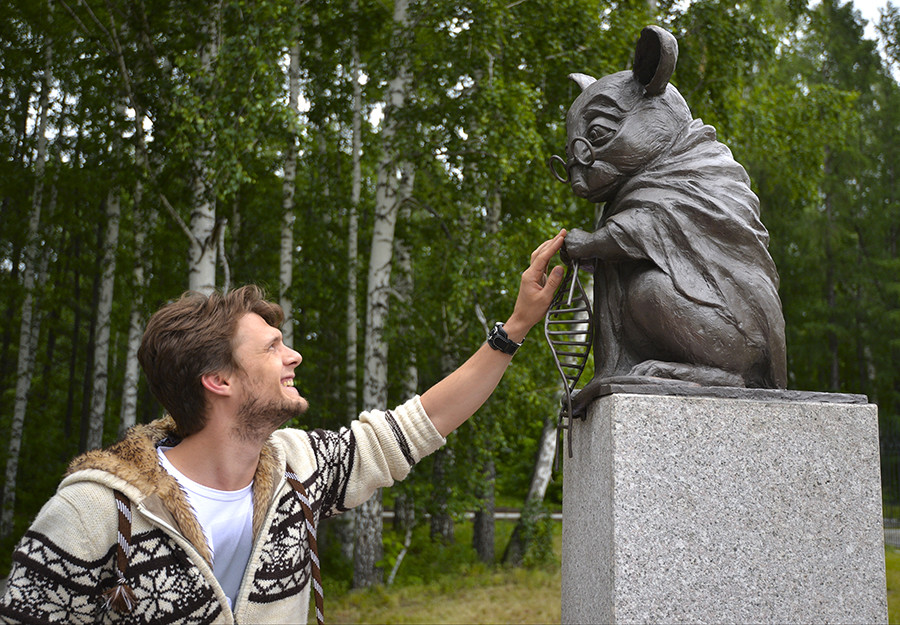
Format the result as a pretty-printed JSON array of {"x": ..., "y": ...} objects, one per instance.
[{"x": 576, "y": 248}]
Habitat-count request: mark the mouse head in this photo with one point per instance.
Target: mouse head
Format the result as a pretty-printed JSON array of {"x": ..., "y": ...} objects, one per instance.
[{"x": 623, "y": 121}]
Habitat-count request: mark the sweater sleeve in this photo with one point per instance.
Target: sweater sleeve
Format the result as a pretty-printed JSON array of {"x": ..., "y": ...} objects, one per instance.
[
  {"x": 342, "y": 469},
  {"x": 64, "y": 561}
]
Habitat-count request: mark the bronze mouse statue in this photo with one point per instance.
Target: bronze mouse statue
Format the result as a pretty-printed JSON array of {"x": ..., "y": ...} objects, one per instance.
[{"x": 685, "y": 288}]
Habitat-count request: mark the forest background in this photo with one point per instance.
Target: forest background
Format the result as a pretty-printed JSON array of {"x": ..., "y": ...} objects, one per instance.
[{"x": 381, "y": 168}]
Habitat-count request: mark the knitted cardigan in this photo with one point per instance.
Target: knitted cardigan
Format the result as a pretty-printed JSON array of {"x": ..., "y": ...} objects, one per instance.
[{"x": 66, "y": 560}]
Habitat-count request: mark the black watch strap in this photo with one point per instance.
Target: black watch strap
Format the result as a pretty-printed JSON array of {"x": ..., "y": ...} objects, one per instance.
[{"x": 499, "y": 340}]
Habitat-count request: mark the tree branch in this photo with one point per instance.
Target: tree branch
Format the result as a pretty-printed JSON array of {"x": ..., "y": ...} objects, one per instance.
[
  {"x": 94, "y": 16},
  {"x": 139, "y": 122},
  {"x": 81, "y": 24}
]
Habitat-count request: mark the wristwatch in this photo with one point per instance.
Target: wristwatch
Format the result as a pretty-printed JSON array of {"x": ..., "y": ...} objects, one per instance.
[{"x": 499, "y": 340}]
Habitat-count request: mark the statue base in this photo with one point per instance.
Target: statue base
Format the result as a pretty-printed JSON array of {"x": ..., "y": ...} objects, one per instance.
[{"x": 720, "y": 509}]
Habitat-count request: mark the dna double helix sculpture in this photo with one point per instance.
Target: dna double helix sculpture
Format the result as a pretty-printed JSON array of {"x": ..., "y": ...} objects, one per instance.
[{"x": 569, "y": 329}]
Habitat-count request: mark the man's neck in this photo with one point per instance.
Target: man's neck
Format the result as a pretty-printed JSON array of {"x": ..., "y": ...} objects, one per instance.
[{"x": 216, "y": 460}]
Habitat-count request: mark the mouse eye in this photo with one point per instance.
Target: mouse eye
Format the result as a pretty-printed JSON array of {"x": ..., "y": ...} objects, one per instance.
[{"x": 599, "y": 134}]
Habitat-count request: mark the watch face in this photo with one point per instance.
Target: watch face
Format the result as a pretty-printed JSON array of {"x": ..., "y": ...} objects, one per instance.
[{"x": 500, "y": 342}]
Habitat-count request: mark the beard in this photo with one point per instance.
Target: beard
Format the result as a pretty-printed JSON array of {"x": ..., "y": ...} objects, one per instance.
[{"x": 258, "y": 418}]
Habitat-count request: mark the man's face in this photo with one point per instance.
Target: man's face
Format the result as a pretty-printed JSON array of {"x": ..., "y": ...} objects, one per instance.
[{"x": 265, "y": 378}]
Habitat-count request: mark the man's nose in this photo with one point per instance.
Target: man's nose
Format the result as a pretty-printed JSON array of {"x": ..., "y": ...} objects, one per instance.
[{"x": 293, "y": 357}]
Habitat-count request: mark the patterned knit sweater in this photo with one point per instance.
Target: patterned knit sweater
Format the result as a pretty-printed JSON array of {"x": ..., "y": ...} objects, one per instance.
[{"x": 65, "y": 561}]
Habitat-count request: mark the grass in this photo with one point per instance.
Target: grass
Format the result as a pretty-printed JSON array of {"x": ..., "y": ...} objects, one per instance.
[
  {"x": 446, "y": 584},
  {"x": 892, "y": 566},
  {"x": 485, "y": 596}
]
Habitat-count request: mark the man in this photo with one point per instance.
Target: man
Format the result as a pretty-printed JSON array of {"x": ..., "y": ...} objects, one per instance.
[{"x": 199, "y": 517}]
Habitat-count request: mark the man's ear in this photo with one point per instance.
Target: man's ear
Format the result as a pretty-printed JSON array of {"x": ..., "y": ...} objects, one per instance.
[{"x": 217, "y": 383}]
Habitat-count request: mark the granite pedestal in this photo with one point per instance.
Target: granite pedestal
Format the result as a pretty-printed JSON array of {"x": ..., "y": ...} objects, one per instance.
[{"x": 758, "y": 507}]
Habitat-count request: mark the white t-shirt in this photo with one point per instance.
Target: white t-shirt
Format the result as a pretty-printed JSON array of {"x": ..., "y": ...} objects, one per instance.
[{"x": 226, "y": 517}]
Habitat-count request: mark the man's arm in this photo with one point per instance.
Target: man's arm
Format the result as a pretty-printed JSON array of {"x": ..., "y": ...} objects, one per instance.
[
  {"x": 450, "y": 402},
  {"x": 65, "y": 560}
]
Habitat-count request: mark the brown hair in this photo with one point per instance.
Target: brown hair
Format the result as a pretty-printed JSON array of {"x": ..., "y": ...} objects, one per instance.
[{"x": 191, "y": 337}]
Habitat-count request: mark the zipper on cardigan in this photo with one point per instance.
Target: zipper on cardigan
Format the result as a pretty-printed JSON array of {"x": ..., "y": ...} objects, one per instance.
[
  {"x": 171, "y": 530},
  {"x": 258, "y": 545},
  {"x": 211, "y": 578},
  {"x": 158, "y": 521}
]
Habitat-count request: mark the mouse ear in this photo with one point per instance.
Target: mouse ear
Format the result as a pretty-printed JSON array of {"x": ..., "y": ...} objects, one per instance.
[
  {"x": 654, "y": 59},
  {"x": 583, "y": 80}
]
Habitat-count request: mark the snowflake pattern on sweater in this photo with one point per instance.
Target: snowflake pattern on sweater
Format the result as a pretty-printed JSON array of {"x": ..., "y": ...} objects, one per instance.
[{"x": 66, "y": 561}]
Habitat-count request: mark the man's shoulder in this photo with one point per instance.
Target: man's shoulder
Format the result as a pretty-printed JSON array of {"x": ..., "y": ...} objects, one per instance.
[
  {"x": 95, "y": 486},
  {"x": 82, "y": 496},
  {"x": 79, "y": 519},
  {"x": 291, "y": 443}
]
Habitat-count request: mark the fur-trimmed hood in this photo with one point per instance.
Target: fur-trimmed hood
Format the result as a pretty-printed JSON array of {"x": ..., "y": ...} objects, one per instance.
[{"x": 132, "y": 466}]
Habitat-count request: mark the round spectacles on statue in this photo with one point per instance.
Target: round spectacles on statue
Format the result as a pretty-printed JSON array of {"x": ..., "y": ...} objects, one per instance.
[{"x": 582, "y": 154}]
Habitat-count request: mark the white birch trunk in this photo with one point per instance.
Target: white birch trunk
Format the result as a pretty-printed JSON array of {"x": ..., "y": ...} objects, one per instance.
[
  {"x": 404, "y": 505},
  {"x": 202, "y": 252},
  {"x": 406, "y": 284},
  {"x": 288, "y": 189},
  {"x": 28, "y": 331},
  {"x": 219, "y": 232},
  {"x": 144, "y": 223},
  {"x": 387, "y": 204},
  {"x": 368, "y": 550},
  {"x": 344, "y": 525},
  {"x": 203, "y": 246},
  {"x": 104, "y": 314},
  {"x": 353, "y": 236},
  {"x": 540, "y": 480},
  {"x": 543, "y": 465}
]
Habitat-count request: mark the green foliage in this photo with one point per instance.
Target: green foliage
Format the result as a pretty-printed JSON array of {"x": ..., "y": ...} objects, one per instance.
[
  {"x": 447, "y": 585},
  {"x": 798, "y": 93},
  {"x": 538, "y": 536},
  {"x": 892, "y": 569}
]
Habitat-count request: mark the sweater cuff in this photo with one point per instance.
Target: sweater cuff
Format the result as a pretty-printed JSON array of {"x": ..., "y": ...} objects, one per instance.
[{"x": 423, "y": 436}]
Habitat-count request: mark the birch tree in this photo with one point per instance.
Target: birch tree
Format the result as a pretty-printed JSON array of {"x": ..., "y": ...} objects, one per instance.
[
  {"x": 28, "y": 331},
  {"x": 105, "y": 301},
  {"x": 404, "y": 504},
  {"x": 203, "y": 242},
  {"x": 104, "y": 312},
  {"x": 353, "y": 228},
  {"x": 540, "y": 479},
  {"x": 144, "y": 221},
  {"x": 288, "y": 189},
  {"x": 368, "y": 549}
]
